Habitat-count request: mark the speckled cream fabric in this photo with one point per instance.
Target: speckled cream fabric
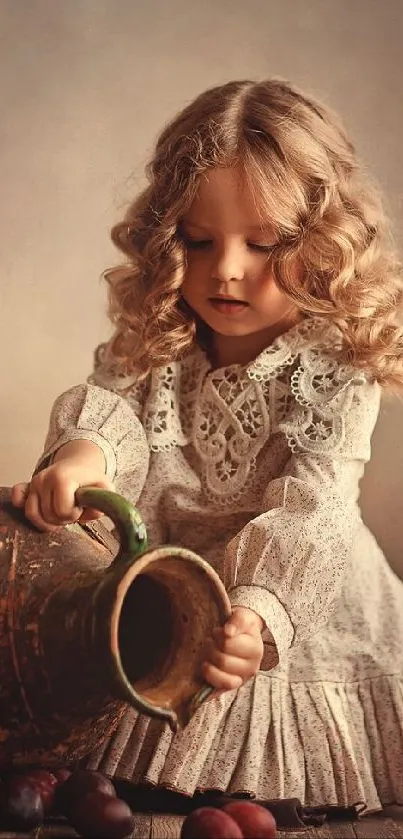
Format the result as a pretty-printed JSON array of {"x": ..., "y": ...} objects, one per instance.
[{"x": 257, "y": 469}]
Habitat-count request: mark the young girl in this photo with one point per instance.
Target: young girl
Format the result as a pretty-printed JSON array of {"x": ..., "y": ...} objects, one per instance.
[{"x": 255, "y": 320}]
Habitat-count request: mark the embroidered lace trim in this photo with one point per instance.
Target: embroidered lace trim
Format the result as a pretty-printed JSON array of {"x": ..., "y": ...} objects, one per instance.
[{"x": 294, "y": 386}]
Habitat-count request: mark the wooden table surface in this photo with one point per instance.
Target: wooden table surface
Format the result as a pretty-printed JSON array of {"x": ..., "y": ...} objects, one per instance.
[{"x": 385, "y": 825}]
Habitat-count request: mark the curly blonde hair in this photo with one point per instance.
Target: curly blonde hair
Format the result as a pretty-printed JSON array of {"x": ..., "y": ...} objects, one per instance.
[{"x": 302, "y": 169}]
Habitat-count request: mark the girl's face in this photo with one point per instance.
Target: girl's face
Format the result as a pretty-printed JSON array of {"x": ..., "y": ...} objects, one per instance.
[{"x": 229, "y": 282}]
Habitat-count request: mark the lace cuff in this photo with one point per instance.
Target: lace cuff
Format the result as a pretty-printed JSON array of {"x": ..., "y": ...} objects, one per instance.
[{"x": 278, "y": 624}]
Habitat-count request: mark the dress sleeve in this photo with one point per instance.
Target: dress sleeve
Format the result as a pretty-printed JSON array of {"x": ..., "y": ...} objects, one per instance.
[
  {"x": 98, "y": 412},
  {"x": 288, "y": 564}
]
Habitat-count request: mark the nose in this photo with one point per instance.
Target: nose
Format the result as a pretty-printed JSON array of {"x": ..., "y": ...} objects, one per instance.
[{"x": 229, "y": 264}]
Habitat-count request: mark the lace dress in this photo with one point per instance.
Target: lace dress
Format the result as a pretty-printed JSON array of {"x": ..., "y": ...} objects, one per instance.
[{"x": 257, "y": 469}]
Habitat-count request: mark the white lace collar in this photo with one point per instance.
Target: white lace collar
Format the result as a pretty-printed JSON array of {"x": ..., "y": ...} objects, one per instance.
[
  {"x": 228, "y": 414},
  {"x": 280, "y": 354}
]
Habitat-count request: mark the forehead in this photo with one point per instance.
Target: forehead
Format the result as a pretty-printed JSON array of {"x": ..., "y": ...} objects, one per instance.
[{"x": 224, "y": 199}]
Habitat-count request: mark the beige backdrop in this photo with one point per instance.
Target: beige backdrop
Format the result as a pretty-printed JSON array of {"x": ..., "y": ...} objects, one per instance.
[{"x": 85, "y": 85}]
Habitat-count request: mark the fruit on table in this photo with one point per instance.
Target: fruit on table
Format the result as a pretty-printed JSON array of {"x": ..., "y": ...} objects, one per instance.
[
  {"x": 61, "y": 775},
  {"x": 254, "y": 820},
  {"x": 79, "y": 784},
  {"x": 89, "y": 801},
  {"x": 99, "y": 814},
  {"x": 45, "y": 782},
  {"x": 21, "y": 806},
  {"x": 210, "y": 823},
  {"x": 87, "y": 798}
]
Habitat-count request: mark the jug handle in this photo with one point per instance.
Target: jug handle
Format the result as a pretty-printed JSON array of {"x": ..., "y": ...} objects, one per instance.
[
  {"x": 127, "y": 520},
  {"x": 197, "y": 700}
]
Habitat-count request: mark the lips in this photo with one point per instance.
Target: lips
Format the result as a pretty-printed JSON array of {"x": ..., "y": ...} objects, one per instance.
[
  {"x": 228, "y": 305},
  {"x": 220, "y": 299}
]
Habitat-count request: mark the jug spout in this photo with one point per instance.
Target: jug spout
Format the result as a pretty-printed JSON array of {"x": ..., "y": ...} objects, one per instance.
[
  {"x": 157, "y": 607},
  {"x": 161, "y": 611}
]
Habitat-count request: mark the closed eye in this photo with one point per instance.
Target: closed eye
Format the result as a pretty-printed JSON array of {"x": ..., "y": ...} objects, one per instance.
[
  {"x": 196, "y": 244},
  {"x": 202, "y": 244},
  {"x": 265, "y": 248}
]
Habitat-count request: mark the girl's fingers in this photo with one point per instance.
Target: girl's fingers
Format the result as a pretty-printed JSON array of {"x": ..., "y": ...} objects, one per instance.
[
  {"x": 64, "y": 506},
  {"x": 45, "y": 505},
  {"x": 241, "y": 645},
  {"x": 19, "y": 494},
  {"x": 242, "y": 660},
  {"x": 54, "y": 505},
  {"x": 89, "y": 514},
  {"x": 242, "y": 620},
  {"x": 34, "y": 513},
  {"x": 49, "y": 499},
  {"x": 232, "y": 665},
  {"x": 220, "y": 680}
]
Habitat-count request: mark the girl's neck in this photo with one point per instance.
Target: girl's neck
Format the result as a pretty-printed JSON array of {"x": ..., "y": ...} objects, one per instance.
[{"x": 226, "y": 350}]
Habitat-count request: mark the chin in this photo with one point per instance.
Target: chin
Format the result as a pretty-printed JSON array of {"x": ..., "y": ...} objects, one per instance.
[{"x": 235, "y": 330}]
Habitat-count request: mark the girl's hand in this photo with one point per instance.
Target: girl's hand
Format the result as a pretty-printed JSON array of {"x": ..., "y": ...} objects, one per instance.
[
  {"x": 235, "y": 652},
  {"x": 49, "y": 499}
]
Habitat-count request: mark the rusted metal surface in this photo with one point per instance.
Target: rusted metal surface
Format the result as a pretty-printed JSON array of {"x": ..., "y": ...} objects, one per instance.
[
  {"x": 54, "y": 704},
  {"x": 84, "y": 630}
]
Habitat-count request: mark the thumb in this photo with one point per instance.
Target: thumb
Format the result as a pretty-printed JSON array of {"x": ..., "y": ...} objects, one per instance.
[
  {"x": 237, "y": 623},
  {"x": 243, "y": 620}
]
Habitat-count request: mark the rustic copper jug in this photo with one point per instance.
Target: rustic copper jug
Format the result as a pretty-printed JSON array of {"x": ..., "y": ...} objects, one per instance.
[{"x": 84, "y": 632}]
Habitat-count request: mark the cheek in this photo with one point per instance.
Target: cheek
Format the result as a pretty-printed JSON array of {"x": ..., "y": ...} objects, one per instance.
[
  {"x": 189, "y": 287},
  {"x": 266, "y": 284},
  {"x": 269, "y": 296},
  {"x": 194, "y": 279}
]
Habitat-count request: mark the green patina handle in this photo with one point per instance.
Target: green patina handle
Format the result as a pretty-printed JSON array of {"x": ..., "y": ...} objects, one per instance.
[{"x": 127, "y": 520}]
